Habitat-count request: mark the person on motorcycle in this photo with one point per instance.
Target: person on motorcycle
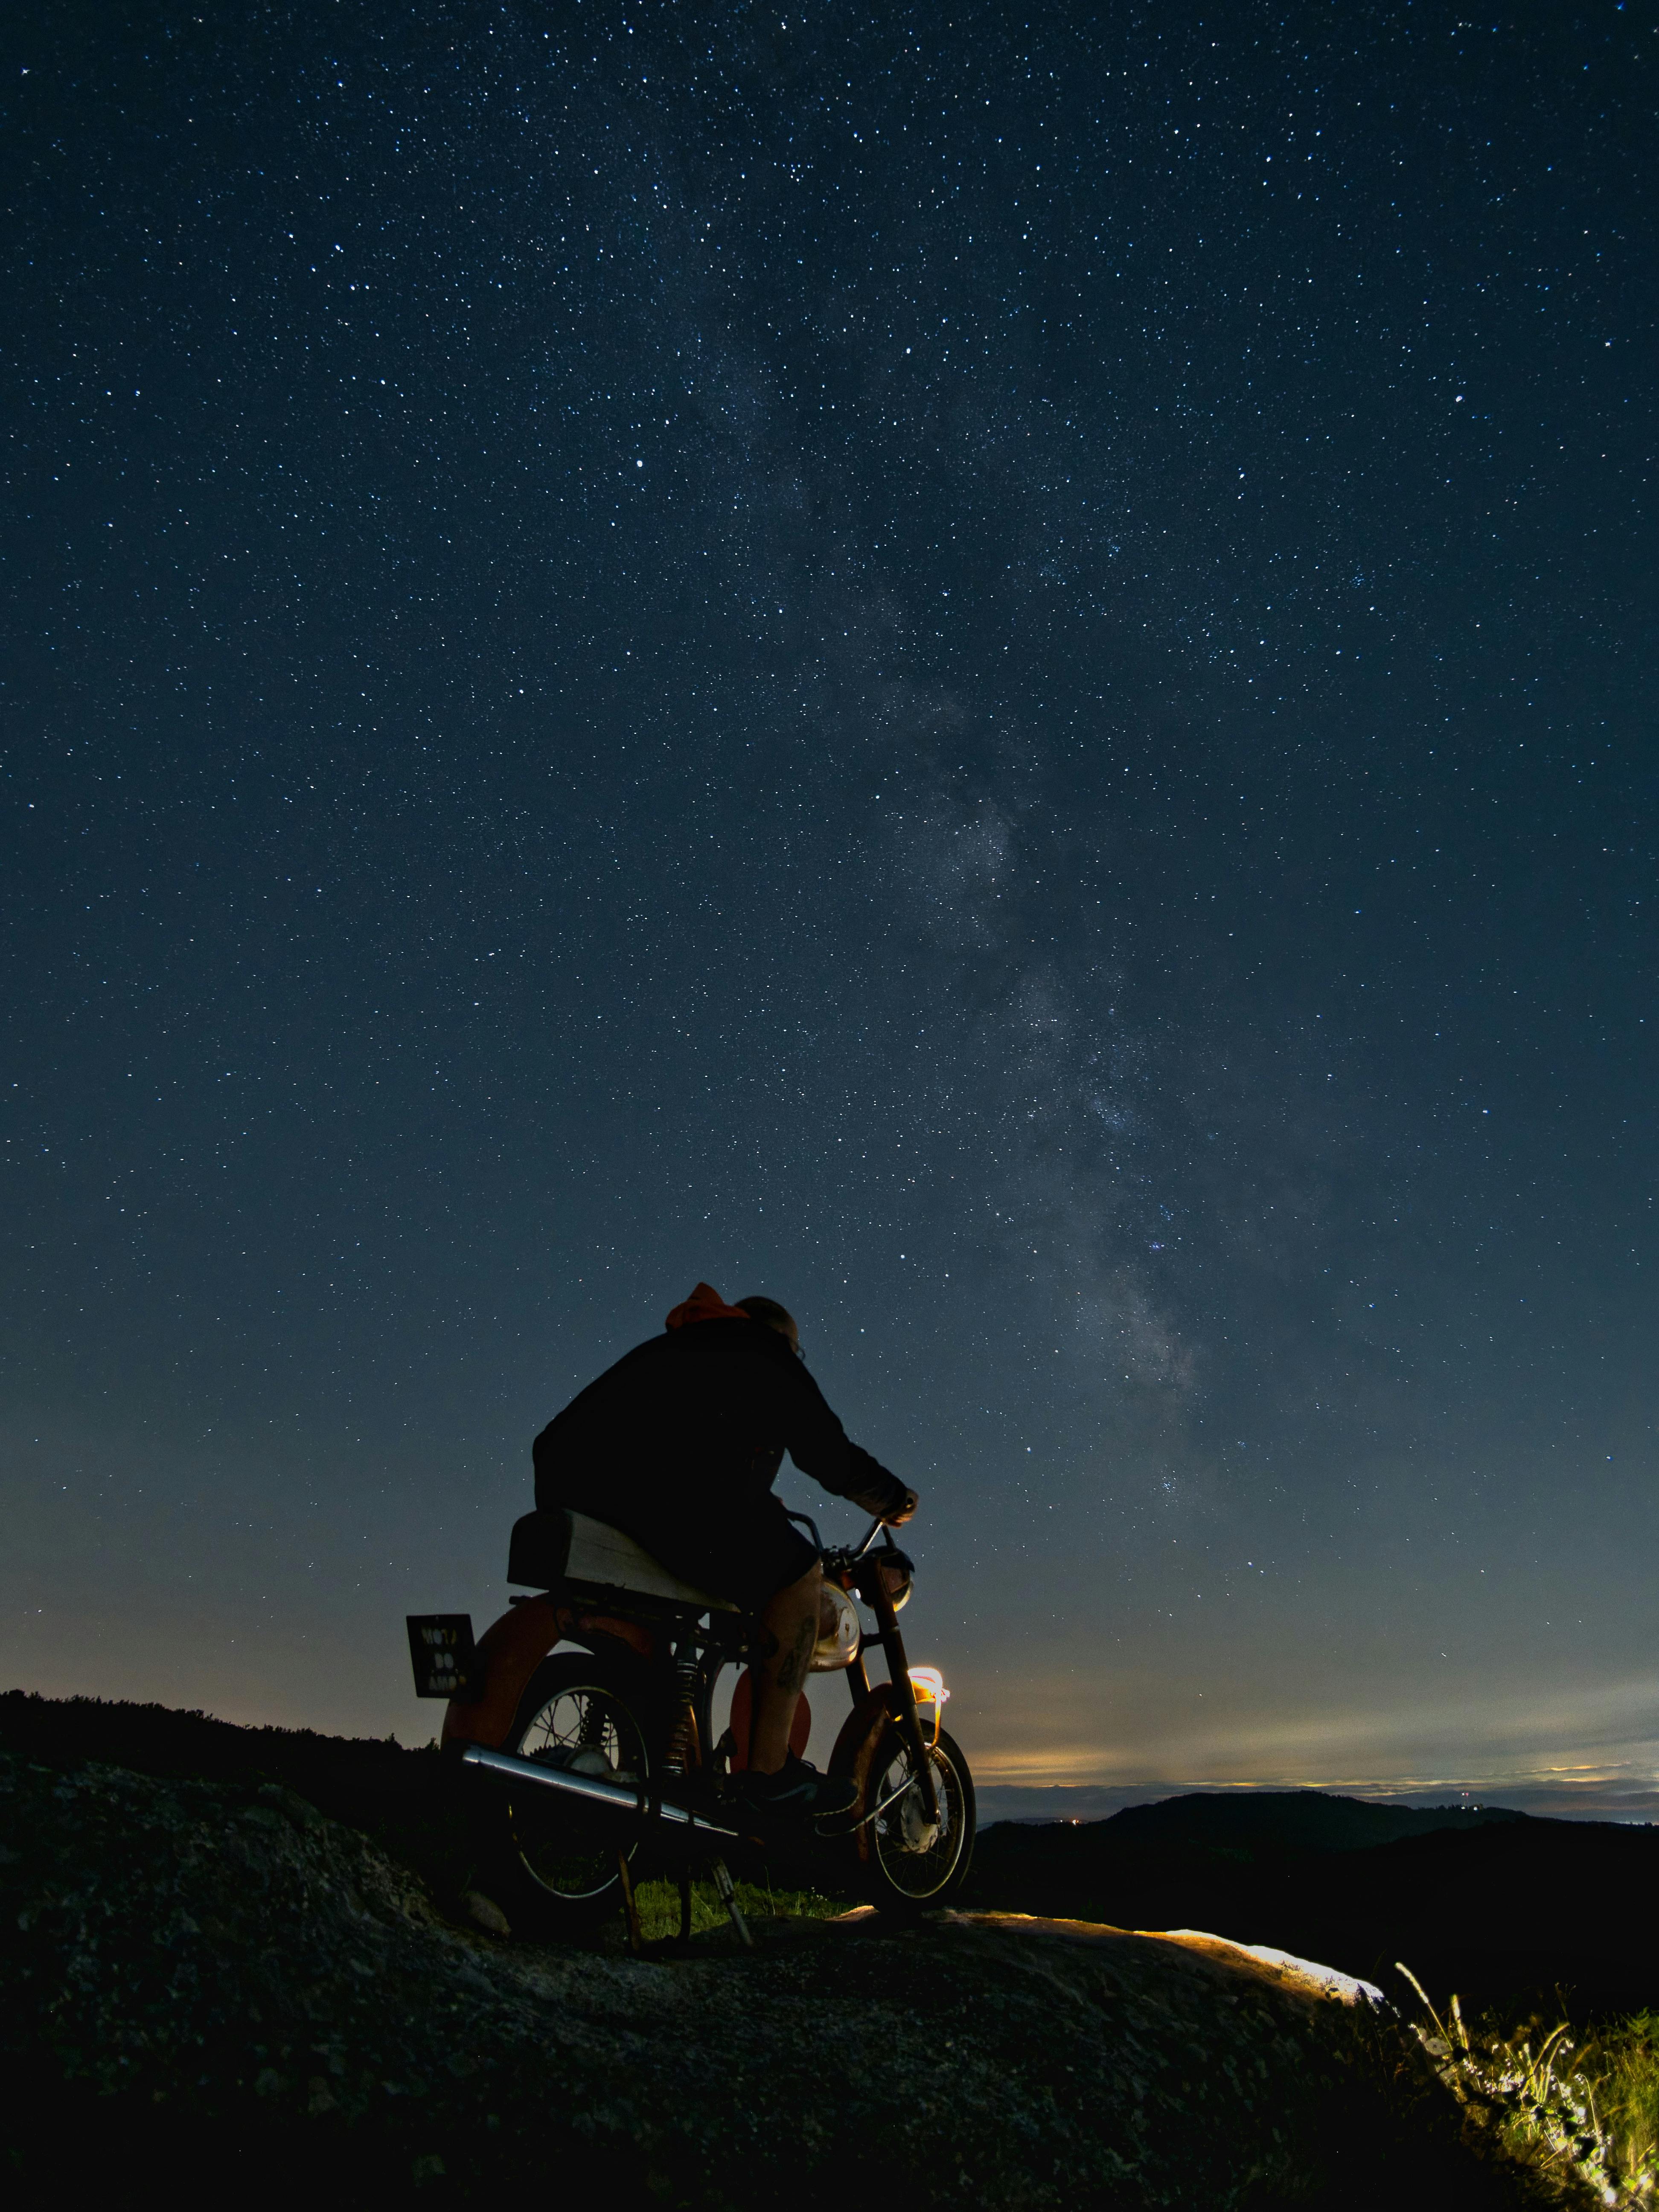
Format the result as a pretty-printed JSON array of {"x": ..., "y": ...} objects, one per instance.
[{"x": 678, "y": 1445}]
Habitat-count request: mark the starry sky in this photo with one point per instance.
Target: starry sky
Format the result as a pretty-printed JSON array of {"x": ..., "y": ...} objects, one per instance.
[{"x": 992, "y": 675}]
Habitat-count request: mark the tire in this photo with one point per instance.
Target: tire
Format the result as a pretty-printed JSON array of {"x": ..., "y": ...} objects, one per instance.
[
  {"x": 902, "y": 1870},
  {"x": 554, "y": 1870}
]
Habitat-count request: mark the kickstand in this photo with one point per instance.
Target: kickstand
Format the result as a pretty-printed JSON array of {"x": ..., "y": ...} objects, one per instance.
[
  {"x": 729, "y": 1898},
  {"x": 686, "y": 1905},
  {"x": 630, "y": 1905}
]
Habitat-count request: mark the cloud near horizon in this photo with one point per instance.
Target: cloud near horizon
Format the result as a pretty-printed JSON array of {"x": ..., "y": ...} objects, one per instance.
[{"x": 1600, "y": 1734}]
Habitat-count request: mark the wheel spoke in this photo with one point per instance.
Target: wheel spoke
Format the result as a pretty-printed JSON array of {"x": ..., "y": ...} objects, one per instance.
[
  {"x": 914, "y": 1863},
  {"x": 585, "y": 1723}
]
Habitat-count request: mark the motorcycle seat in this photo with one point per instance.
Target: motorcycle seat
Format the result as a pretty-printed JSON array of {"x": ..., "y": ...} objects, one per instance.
[{"x": 556, "y": 1549}]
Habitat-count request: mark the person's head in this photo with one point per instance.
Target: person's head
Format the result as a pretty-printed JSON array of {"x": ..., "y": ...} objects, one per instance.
[{"x": 773, "y": 1315}]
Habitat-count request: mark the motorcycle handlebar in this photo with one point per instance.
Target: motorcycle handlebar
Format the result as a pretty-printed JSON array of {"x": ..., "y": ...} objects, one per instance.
[{"x": 878, "y": 1527}]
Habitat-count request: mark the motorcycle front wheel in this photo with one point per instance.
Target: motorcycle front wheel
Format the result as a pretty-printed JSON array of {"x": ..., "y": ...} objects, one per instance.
[
  {"x": 554, "y": 1869},
  {"x": 908, "y": 1864}
]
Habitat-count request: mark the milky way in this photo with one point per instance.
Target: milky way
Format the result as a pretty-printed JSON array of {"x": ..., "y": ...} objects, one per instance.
[{"x": 997, "y": 680}]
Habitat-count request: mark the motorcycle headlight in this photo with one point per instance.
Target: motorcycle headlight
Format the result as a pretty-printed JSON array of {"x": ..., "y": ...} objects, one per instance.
[
  {"x": 927, "y": 1687},
  {"x": 838, "y": 1632}
]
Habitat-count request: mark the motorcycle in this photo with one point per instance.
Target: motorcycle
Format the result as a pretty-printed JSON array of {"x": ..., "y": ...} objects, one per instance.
[{"x": 583, "y": 1722}]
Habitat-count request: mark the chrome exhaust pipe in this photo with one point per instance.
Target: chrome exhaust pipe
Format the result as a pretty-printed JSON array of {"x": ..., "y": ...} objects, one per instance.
[{"x": 628, "y": 1799}]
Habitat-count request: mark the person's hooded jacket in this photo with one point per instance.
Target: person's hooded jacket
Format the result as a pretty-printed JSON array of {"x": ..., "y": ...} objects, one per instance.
[{"x": 702, "y": 1413}]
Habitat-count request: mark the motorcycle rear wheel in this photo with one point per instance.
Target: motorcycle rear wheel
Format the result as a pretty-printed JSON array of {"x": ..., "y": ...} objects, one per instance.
[
  {"x": 554, "y": 1870},
  {"x": 906, "y": 1868}
]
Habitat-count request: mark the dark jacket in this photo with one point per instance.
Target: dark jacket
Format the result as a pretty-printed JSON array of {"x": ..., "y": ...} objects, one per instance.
[{"x": 702, "y": 1413}]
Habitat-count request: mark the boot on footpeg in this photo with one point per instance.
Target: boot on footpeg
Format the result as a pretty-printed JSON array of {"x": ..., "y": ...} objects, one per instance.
[{"x": 796, "y": 1792}]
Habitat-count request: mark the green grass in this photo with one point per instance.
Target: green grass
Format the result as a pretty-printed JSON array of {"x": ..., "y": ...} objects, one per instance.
[
  {"x": 1581, "y": 2109},
  {"x": 1620, "y": 2062},
  {"x": 659, "y": 1907}
]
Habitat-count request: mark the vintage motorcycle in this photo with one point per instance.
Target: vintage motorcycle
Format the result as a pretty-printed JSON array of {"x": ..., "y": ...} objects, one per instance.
[{"x": 583, "y": 1722}]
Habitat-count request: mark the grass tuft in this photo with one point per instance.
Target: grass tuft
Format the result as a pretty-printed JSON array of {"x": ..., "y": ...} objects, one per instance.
[
  {"x": 659, "y": 1907},
  {"x": 1583, "y": 2113}
]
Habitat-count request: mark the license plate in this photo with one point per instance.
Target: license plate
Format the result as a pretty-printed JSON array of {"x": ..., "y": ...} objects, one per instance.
[{"x": 440, "y": 1652}]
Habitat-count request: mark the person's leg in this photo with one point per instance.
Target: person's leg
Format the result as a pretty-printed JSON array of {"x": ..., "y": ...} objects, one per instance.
[{"x": 791, "y": 1623}]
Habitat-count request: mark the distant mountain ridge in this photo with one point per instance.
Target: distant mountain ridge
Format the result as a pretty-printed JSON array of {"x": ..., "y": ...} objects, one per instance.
[
  {"x": 1584, "y": 1798},
  {"x": 1291, "y": 1820}
]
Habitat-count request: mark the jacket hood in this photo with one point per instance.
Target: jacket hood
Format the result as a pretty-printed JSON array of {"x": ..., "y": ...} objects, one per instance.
[{"x": 705, "y": 1304}]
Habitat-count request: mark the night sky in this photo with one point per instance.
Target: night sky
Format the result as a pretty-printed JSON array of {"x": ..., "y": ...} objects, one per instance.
[{"x": 995, "y": 677}]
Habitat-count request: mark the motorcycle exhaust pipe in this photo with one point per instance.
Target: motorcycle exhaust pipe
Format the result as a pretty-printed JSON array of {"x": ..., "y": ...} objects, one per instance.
[{"x": 593, "y": 1791}]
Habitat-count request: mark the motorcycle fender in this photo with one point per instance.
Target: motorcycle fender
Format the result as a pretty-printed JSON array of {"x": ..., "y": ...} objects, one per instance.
[
  {"x": 508, "y": 1655},
  {"x": 857, "y": 1745}
]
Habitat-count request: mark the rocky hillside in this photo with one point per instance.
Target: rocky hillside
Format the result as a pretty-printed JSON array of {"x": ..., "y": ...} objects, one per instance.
[{"x": 213, "y": 1992}]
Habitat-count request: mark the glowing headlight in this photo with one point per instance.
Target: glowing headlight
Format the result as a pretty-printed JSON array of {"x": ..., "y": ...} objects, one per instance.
[{"x": 927, "y": 1684}]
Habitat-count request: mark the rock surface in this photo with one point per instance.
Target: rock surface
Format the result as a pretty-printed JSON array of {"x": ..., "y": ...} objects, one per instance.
[
  {"x": 1490, "y": 1905},
  {"x": 217, "y": 1985}
]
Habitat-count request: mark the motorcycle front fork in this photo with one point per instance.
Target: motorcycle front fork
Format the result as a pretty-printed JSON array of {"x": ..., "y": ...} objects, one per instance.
[{"x": 875, "y": 1596}]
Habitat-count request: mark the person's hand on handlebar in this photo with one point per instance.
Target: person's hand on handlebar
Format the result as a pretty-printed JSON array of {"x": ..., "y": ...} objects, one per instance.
[{"x": 889, "y": 1517}]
